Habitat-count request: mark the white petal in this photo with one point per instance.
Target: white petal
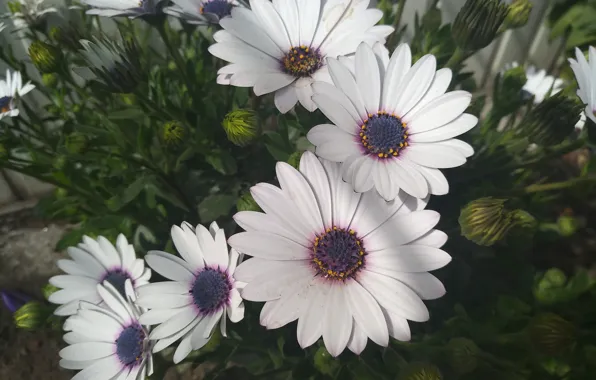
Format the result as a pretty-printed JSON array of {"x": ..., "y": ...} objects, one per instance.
[
  {"x": 368, "y": 78},
  {"x": 315, "y": 174},
  {"x": 164, "y": 301},
  {"x": 455, "y": 128},
  {"x": 173, "y": 325},
  {"x": 184, "y": 348},
  {"x": 401, "y": 229},
  {"x": 434, "y": 155},
  {"x": 337, "y": 322},
  {"x": 243, "y": 28},
  {"x": 438, "y": 112},
  {"x": 363, "y": 175},
  {"x": 268, "y": 246},
  {"x": 358, "y": 339},
  {"x": 400, "y": 63},
  {"x": 384, "y": 180},
  {"x": 164, "y": 287},
  {"x": 285, "y": 99},
  {"x": 292, "y": 303},
  {"x": 461, "y": 146},
  {"x": 304, "y": 93},
  {"x": 335, "y": 112},
  {"x": 271, "y": 22},
  {"x": 398, "y": 326},
  {"x": 408, "y": 178},
  {"x": 434, "y": 238},
  {"x": 437, "y": 88},
  {"x": 169, "y": 266},
  {"x": 269, "y": 287},
  {"x": 104, "y": 368},
  {"x": 187, "y": 245},
  {"x": 343, "y": 79},
  {"x": 437, "y": 183},
  {"x": 414, "y": 85},
  {"x": 88, "y": 351},
  {"x": 253, "y": 221},
  {"x": 410, "y": 258},
  {"x": 156, "y": 316},
  {"x": 394, "y": 296},
  {"x": 338, "y": 150},
  {"x": 338, "y": 96},
  {"x": 310, "y": 326},
  {"x": 367, "y": 313}
]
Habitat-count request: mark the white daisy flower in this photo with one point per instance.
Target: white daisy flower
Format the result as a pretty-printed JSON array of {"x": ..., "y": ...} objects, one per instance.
[
  {"x": 539, "y": 84},
  {"x": 201, "y": 11},
  {"x": 347, "y": 266},
  {"x": 202, "y": 291},
  {"x": 282, "y": 46},
  {"x": 130, "y": 8},
  {"x": 393, "y": 123},
  {"x": 12, "y": 87},
  {"x": 108, "y": 342},
  {"x": 95, "y": 262},
  {"x": 30, "y": 13},
  {"x": 585, "y": 74}
]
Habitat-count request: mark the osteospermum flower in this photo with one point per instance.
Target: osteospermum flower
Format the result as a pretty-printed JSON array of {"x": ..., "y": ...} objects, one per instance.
[
  {"x": 539, "y": 84},
  {"x": 201, "y": 292},
  {"x": 585, "y": 74},
  {"x": 130, "y": 8},
  {"x": 95, "y": 262},
  {"x": 282, "y": 46},
  {"x": 202, "y": 11},
  {"x": 393, "y": 123},
  {"x": 108, "y": 342},
  {"x": 29, "y": 12},
  {"x": 12, "y": 87},
  {"x": 347, "y": 266}
]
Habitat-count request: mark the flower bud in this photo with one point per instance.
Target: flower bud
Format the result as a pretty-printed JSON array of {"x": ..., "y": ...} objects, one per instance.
[
  {"x": 241, "y": 126},
  {"x": 13, "y": 300},
  {"x": 172, "y": 133},
  {"x": 551, "y": 334},
  {"x": 75, "y": 143},
  {"x": 485, "y": 221},
  {"x": 507, "y": 93},
  {"x": 463, "y": 355},
  {"x": 14, "y": 7},
  {"x": 294, "y": 159},
  {"x": 551, "y": 121},
  {"x": 477, "y": 23},
  {"x": 31, "y": 315},
  {"x": 247, "y": 203},
  {"x": 519, "y": 14},
  {"x": 420, "y": 371},
  {"x": 49, "y": 80},
  {"x": 47, "y": 58}
]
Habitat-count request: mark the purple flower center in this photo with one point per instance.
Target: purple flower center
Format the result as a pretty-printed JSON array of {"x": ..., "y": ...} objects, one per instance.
[
  {"x": 211, "y": 290},
  {"x": 302, "y": 61},
  {"x": 384, "y": 135},
  {"x": 130, "y": 345},
  {"x": 117, "y": 278},
  {"x": 220, "y": 8},
  {"x": 338, "y": 253},
  {"x": 5, "y": 104}
]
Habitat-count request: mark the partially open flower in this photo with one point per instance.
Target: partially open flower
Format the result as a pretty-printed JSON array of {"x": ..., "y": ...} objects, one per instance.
[
  {"x": 116, "y": 65},
  {"x": 241, "y": 126},
  {"x": 477, "y": 23}
]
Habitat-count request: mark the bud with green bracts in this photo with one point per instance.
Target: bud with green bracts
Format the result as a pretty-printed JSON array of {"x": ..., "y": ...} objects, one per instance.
[
  {"x": 519, "y": 14},
  {"x": 241, "y": 126},
  {"x": 551, "y": 121},
  {"x": 420, "y": 371},
  {"x": 172, "y": 133},
  {"x": 507, "y": 93},
  {"x": 463, "y": 355},
  {"x": 477, "y": 23},
  {"x": 247, "y": 203},
  {"x": 485, "y": 221},
  {"x": 551, "y": 334},
  {"x": 32, "y": 315},
  {"x": 47, "y": 58}
]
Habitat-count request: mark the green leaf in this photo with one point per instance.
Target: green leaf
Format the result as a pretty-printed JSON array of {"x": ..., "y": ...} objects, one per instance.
[
  {"x": 214, "y": 206},
  {"x": 128, "y": 195},
  {"x": 70, "y": 239},
  {"x": 186, "y": 155},
  {"x": 129, "y": 113},
  {"x": 223, "y": 162}
]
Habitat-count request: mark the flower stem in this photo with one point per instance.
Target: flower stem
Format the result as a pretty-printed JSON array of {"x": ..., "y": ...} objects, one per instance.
[
  {"x": 558, "y": 185},
  {"x": 458, "y": 57},
  {"x": 161, "y": 28}
]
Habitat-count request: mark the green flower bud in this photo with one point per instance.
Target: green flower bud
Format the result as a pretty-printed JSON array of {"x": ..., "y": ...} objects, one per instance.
[
  {"x": 556, "y": 368},
  {"x": 59, "y": 162},
  {"x": 241, "y": 126},
  {"x": 49, "y": 80},
  {"x": 507, "y": 94},
  {"x": 45, "y": 57},
  {"x": 60, "y": 193},
  {"x": 519, "y": 13},
  {"x": 551, "y": 334},
  {"x": 568, "y": 225},
  {"x": 14, "y": 7},
  {"x": 551, "y": 121},
  {"x": 420, "y": 371},
  {"x": 477, "y": 23},
  {"x": 325, "y": 363},
  {"x": 485, "y": 221},
  {"x": 247, "y": 203},
  {"x": 294, "y": 159},
  {"x": 172, "y": 133},
  {"x": 31, "y": 315},
  {"x": 555, "y": 277},
  {"x": 128, "y": 99},
  {"x": 463, "y": 355},
  {"x": 75, "y": 143},
  {"x": 48, "y": 290}
]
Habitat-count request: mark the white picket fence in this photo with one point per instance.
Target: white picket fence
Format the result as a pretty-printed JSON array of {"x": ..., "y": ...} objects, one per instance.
[{"x": 529, "y": 43}]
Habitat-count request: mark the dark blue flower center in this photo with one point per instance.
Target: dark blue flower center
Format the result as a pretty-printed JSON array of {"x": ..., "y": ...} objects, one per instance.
[
  {"x": 302, "y": 61},
  {"x": 211, "y": 290},
  {"x": 130, "y": 345},
  {"x": 117, "y": 278},
  {"x": 220, "y": 8},
  {"x": 384, "y": 135},
  {"x": 338, "y": 253},
  {"x": 5, "y": 104}
]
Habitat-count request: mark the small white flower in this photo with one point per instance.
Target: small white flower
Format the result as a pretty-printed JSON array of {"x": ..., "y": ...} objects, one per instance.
[
  {"x": 130, "y": 8},
  {"x": 202, "y": 291},
  {"x": 539, "y": 84},
  {"x": 585, "y": 74},
  {"x": 393, "y": 122},
  {"x": 30, "y": 13},
  {"x": 10, "y": 88},
  {"x": 108, "y": 342},
  {"x": 282, "y": 46},
  {"x": 94, "y": 262},
  {"x": 201, "y": 11},
  {"x": 347, "y": 266}
]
